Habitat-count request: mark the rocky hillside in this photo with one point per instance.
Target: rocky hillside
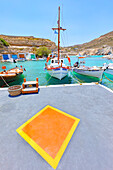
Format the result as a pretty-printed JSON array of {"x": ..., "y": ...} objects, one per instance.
[
  {"x": 99, "y": 46},
  {"x": 24, "y": 43}
]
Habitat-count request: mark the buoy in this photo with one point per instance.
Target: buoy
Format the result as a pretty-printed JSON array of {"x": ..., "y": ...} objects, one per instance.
[
  {"x": 3, "y": 67},
  {"x": 24, "y": 79}
]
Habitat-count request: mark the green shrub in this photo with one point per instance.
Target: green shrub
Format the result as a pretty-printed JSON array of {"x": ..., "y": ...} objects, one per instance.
[
  {"x": 4, "y": 42},
  {"x": 43, "y": 51}
]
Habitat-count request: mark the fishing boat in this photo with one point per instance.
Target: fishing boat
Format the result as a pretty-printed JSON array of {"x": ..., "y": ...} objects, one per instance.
[
  {"x": 93, "y": 71},
  {"x": 57, "y": 68},
  {"x": 11, "y": 74},
  {"x": 109, "y": 68}
]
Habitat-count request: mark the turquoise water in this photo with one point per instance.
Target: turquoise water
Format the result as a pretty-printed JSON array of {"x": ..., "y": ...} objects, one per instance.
[{"x": 36, "y": 69}]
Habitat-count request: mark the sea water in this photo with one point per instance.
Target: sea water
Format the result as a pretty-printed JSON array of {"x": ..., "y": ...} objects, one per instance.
[{"x": 36, "y": 69}]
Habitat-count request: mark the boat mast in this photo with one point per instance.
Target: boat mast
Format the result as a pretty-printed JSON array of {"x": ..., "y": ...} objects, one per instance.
[
  {"x": 59, "y": 28},
  {"x": 59, "y": 35}
]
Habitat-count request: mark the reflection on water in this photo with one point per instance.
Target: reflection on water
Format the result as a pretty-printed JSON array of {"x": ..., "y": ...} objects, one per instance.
[
  {"x": 54, "y": 81},
  {"x": 12, "y": 81}
]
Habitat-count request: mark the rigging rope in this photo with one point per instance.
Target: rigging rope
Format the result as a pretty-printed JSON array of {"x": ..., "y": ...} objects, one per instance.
[{"x": 62, "y": 40}]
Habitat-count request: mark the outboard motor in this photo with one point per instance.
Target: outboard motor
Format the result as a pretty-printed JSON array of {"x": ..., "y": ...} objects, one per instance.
[
  {"x": 76, "y": 64},
  {"x": 14, "y": 61}
]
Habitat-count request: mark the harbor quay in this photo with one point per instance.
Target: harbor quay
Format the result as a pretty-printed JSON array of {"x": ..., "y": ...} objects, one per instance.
[{"x": 91, "y": 146}]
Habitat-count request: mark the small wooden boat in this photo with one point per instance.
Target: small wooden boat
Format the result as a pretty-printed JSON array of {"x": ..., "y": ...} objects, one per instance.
[{"x": 10, "y": 75}]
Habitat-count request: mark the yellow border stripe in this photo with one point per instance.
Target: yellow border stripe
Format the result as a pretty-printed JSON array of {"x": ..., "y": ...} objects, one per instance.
[{"x": 53, "y": 162}]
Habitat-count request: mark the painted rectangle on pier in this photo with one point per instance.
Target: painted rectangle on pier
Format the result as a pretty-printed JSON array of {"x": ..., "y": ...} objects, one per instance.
[{"x": 49, "y": 132}]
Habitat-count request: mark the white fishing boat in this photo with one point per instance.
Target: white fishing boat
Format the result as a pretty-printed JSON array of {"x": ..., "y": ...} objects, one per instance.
[
  {"x": 93, "y": 71},
  {"x": 109, "y": 68},
  {"x": 57, "y": 68},
  {"x": 89, "y": 71}
]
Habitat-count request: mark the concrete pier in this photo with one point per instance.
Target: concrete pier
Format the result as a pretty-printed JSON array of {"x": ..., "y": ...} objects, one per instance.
[{"x": 91, "y": 146}]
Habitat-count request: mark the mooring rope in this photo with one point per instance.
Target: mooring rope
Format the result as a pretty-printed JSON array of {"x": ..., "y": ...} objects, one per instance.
[
  {"x": 79, "y": 81},
  {"x": 75, "y": 80},
  {"x": 108, "y": 78},
  {"x": 100, "y": 79},
  {"x": 4, "y": 81},
  {"x": 47, "y": 80}
]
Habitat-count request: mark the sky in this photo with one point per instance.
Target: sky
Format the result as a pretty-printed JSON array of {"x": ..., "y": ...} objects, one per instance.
[{"x": 84, "y": 20}]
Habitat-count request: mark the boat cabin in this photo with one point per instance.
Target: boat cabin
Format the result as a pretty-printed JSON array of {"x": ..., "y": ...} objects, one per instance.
[{"x": 54, "y": 61}]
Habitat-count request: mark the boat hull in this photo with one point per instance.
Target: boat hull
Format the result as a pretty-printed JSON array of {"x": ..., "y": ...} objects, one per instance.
[
  {"x": 92, "y": 73},
  {"x": 10, "y": 75},
  {"x": 58, "y": 73},
  {"x": 11, "y": 79},
  {"x": 109, "y": 71}
]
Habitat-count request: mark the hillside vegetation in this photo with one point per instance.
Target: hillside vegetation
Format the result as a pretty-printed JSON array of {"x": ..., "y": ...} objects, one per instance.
[{"x": 3, "y": 43}]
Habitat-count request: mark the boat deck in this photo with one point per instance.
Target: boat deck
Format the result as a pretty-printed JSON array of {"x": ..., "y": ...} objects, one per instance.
[{"x": 91, "y": 146}]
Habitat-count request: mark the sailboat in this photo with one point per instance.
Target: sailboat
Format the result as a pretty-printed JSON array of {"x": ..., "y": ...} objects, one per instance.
[{"x": 57, "y": 68}]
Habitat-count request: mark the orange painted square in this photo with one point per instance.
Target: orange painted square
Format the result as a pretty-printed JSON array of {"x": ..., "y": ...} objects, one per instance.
[{"x": 49, "y": 130}]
